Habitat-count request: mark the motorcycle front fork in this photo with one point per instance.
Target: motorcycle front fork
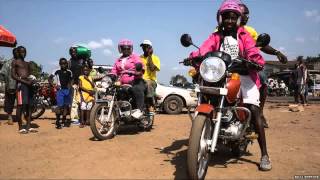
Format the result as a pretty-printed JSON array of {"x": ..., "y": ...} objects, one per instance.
[{"x": 217, "y": 122}]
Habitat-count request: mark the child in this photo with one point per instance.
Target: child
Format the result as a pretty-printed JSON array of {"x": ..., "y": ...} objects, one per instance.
[
  {"x": 63, "y": 79},
  {"x": 86, "y": 87}
]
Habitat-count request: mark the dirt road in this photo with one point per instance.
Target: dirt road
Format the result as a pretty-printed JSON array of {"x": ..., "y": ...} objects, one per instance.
[{"x": 293, "y": 143}]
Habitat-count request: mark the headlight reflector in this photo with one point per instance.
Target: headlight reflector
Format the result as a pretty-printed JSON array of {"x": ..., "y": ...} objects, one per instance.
[{"x": 212, "y": 69}]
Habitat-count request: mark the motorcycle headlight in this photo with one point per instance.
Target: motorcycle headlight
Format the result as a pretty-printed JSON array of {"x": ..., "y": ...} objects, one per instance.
[{"x": 212, "y": 69}]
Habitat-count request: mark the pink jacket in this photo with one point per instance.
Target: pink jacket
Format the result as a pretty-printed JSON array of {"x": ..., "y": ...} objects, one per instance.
[
  {"x": 246, "y": 48},
  {"x": 120, "y": 70}
]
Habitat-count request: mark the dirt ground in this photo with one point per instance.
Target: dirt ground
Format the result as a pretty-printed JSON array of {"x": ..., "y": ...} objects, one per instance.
[{"x": 293, "y": 141}]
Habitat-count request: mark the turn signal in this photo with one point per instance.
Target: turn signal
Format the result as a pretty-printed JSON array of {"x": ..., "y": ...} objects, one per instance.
[
  {"x": 235, "y": 76},
  {"x": 192, "y": 72}
]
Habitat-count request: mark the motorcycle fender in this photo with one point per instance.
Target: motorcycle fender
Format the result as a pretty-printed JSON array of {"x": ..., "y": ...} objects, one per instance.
[{"x": 204, "y": 108}]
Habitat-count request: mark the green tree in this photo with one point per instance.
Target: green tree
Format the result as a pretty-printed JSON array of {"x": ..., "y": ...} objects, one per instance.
[
  {"x": 36, "y": 69},
  {"x": 180, "y": 81}
]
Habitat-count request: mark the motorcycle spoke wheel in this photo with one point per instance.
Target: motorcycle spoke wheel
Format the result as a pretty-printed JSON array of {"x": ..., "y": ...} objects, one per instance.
[
  {"x": 101, "y": 127},
  {"x": 204, "y": 154},
  {"x": 199, "y": 149}
]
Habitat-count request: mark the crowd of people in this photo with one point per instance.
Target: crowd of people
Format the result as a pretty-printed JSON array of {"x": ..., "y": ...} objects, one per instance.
[
  {"x": 75, "y": 84},
  {"x": 75, "y": 80}
]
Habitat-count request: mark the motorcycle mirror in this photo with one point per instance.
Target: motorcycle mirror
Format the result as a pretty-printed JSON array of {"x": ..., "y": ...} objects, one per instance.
[
  {"x": 186, "y": 40},
  {"x": 263, "y": 40}
]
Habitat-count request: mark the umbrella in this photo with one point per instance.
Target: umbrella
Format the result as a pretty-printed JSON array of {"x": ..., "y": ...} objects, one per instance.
[{"x": 7, "y": 39}]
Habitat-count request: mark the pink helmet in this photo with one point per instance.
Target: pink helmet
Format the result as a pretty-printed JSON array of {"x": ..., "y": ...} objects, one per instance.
[
  {"x": 125, "y": 42},
  {"x": 230, "y": 5}
]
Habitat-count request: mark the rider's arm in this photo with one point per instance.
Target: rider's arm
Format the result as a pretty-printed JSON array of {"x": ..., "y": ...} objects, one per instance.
[
  {"x": 209, "y": 45},
  {"x": 271, "y": 51}
]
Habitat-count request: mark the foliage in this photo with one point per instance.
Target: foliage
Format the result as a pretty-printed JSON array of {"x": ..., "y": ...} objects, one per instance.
[
  {"x": 180, "y": 81},
  {"x": 36, "y": 69},
  {"x": 310, "y": 59}
]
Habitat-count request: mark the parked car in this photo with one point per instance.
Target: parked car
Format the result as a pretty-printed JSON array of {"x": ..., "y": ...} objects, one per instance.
[{"x": 172, "y": 99}]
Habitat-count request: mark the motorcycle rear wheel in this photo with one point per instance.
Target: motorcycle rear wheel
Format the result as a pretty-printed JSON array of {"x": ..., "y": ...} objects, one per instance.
[
  {"x": 198, "y": 154},
  {"x": 37, "y": 110},
  {"x": 108, "y": 128}
]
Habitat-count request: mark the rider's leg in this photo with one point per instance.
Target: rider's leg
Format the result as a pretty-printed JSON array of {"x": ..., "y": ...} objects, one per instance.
[
  {"x": 151, "y": 87},
  {"x": 138, "y": 89},
  {"x": 250, "y": 95},
  {"x": 263, "y": 96}
]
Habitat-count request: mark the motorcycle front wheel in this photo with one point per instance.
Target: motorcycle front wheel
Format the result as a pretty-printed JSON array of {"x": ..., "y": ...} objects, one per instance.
[
  {"x": 198, "y": 155},
  {"x": 102, "y": 127}
]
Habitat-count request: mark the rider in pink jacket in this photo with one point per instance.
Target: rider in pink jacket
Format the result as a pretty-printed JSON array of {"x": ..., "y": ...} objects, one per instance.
[
  {"x": 233, "y": 39},
  {"x": 129, "y": 69},
  {"x": 123, "y": 69}
]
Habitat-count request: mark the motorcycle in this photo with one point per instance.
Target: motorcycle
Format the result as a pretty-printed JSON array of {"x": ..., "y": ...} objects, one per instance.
[
  {"x": 113, "y": 108},
  {"x": 220, "y": 119},
  {"x": 45, "y": 97}
]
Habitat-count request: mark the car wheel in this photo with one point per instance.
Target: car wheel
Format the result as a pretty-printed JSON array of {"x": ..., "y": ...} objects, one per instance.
[{"x": 173, "y": 104}]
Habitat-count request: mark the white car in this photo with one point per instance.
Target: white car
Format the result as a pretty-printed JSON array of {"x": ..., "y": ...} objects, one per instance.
[{"x": 172, "y": 99}]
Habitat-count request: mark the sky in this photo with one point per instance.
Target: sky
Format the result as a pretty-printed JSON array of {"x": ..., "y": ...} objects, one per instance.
[{"x": 47, "y": 28}]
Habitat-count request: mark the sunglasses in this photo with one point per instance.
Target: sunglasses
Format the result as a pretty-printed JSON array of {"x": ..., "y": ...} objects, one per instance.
[{"x": 125, "y": 47}]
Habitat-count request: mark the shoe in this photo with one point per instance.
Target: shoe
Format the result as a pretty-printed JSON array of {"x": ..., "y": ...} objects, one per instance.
[
  {"x": 265, "y": 164},
  {"x": 81, "y": 126},
  {"x": 58, "y": 127},
  {"x": 137, "y": 113},
  {"x": 23, "y": 131},
  {"x": 75, "y": 122},
  {"x": 32, "y": 130}
]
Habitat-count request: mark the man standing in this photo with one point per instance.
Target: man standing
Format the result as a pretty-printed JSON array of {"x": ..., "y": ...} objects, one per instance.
[
  {"x": 152, "y": 65},
  {"x": 301, "y": 80},
  {"x": 10, "y": 86},
  {"x": 20, "y": 72},
  {"x": 75, "y": 65}
]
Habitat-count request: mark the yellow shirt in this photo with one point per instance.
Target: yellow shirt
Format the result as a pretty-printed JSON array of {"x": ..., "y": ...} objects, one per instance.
[
  {"x": 86, "y": 85},
  {"x": 148, "y": 74},
  {"x": 252, "y": 31}
]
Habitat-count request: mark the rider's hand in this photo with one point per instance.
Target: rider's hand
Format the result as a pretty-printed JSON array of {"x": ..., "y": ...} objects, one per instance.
[
  {"x": 281, "y": 57},
  {"x": 187, "y": 62}
]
